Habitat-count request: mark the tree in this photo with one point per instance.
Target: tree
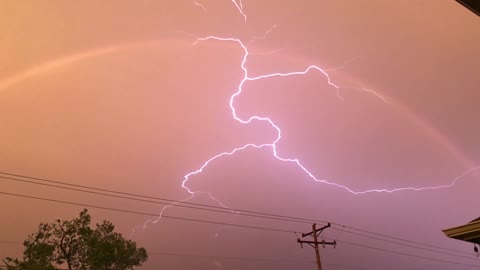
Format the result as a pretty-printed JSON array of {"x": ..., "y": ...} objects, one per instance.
[{"x": 74, "y": 244}]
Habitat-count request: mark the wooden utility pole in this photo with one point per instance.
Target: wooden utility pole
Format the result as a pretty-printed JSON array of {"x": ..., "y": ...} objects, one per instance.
[{"x": 315, "y": 233}]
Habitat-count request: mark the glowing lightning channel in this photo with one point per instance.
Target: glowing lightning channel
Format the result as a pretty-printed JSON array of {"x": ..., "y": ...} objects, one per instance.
[
  {"x": 273, "y": 145},
  {"x": 201, "y": 6},
  {"x": 239, "y": 7}
]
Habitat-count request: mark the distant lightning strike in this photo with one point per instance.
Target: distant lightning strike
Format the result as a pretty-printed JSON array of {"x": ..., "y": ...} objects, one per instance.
[
  {"x": 273, "y": 145},
  {"x": 52, "y": 65},
  {"x": 200, "y": 5},
  {"x": 238, "y": 5}
]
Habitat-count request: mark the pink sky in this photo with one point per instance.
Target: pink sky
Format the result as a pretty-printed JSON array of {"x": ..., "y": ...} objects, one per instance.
[{"x": 117, "y": 95}]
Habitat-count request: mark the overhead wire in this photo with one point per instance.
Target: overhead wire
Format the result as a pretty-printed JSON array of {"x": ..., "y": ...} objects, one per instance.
[
  {"x": 242, "y": 212},
  {"x": 226, "y": 224},
  {"x": 471, "y": 257},
  {"x": 407, "y": 254},
  {"x": 148, "y": 214},
  {"x": 392, "y": 237},
  {"x": 177, "y": 203}
]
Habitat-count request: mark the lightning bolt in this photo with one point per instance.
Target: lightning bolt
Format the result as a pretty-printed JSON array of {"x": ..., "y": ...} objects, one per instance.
[
  {"x": 200, "y": 5},
  {"x": 238, "y": 5},
  {"x": 273, "y": 145}
]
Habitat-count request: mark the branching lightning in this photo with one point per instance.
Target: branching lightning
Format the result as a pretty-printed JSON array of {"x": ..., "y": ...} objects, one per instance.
[
  {"x": 273, "y": 145},
  {"x": 239, "y": 7},
  {"x": 200, "y": 5}
]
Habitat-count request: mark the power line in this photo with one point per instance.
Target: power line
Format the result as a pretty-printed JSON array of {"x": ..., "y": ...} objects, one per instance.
[
  {"x": 391, "y": 237},
  {"x": 223, "y": 210},
  {"x": 407, "y": 254},
  {"x": 178, "y": 203},
  {"x": 225, "y": 224},
  {"x": 471, "y": 257},
  {"x": 218, "y": 209},
  {"x": 148, "y": 214}
]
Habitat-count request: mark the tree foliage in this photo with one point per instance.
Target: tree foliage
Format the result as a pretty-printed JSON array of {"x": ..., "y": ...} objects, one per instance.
[{"x": 74, "y": 244}]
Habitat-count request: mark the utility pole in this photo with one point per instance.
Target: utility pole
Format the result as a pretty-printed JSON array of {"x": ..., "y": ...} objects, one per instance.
[{"x": 315, "y": 233}]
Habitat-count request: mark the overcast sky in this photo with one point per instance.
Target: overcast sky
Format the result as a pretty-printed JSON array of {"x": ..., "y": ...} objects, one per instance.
[{"x": 121, "y": 95}]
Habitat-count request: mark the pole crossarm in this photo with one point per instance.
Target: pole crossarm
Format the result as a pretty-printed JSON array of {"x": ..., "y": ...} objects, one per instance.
[
  {"x": 315, "y": 243},
  {"x": 318, "y": 231},
  {"x": 323, "y": 243}
]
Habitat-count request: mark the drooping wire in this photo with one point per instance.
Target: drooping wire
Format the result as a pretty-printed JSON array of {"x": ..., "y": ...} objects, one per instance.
[
  {"x": 148, "y": 214},
  {"x": 218, "y": 209},
  {"x": 227, "y": 224}
]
